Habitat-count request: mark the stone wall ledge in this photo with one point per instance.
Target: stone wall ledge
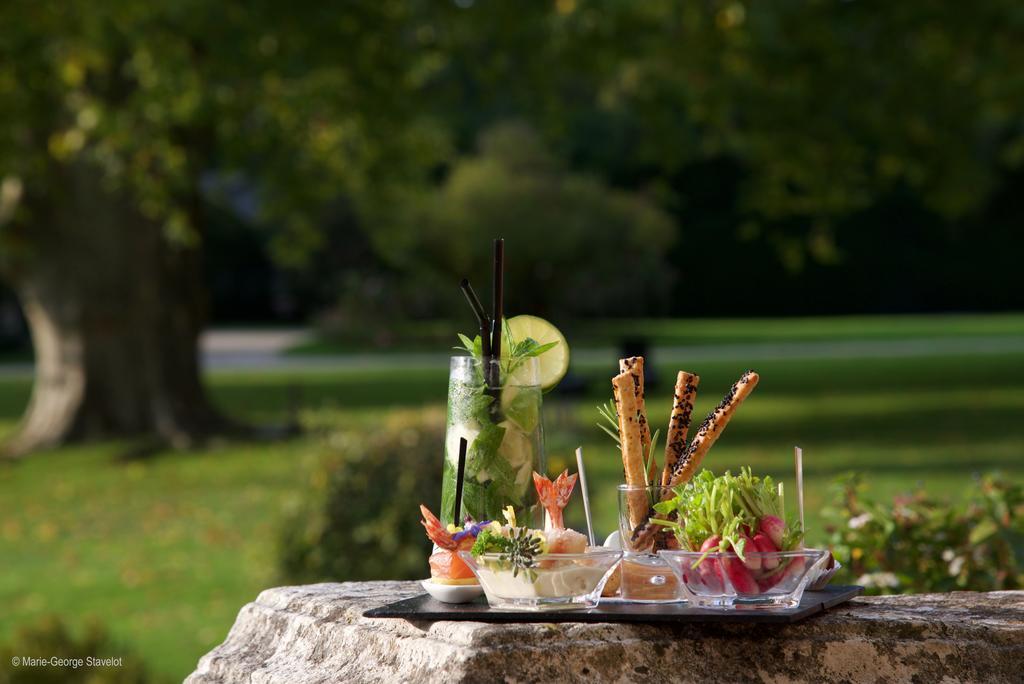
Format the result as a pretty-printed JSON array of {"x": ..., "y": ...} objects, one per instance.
[{"x": 316, "y": 633}]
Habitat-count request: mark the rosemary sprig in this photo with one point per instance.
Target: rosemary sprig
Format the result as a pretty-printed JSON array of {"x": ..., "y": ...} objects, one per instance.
[
  {"x": 609, "y": 416},
  {"x": 522, "y": 547},
  {"x": 609, "y": 422},
  {"x": 650, "y": 457}
]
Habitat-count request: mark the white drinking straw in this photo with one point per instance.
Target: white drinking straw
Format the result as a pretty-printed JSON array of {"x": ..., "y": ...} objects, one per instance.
[
  {"x": 799, "y": 453},
  {"x": 586, "y": 495}
]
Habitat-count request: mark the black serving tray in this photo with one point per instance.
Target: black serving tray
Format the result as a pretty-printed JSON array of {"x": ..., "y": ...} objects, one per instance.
[{"x": 423, "y": 607}]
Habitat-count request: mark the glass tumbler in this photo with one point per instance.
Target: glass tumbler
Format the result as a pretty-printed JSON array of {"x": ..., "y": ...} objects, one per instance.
[
  {"x": 502, "y": 424},
  {"x": 646, "y": 577}
]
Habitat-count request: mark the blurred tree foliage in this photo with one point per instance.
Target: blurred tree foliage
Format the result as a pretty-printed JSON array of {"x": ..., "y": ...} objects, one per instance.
[
  {"x": 274, "y": 110},
  {"x": 836, "y": 155},
  {"x": 124, "y": 127},
  {"x": 805, "y": 113},
  {"x": 571, "y": 233},
  {"x": 840, "y": 155}
]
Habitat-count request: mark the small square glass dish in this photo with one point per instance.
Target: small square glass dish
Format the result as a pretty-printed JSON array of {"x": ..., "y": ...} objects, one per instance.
[
  {"x": 645, "y": 576},
  {"x": 763, "y": 580},
  {"x": 556, "y": 581}
]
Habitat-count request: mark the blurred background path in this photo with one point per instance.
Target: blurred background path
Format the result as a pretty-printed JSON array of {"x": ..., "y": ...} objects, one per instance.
[{"x": 272, "y": 349}]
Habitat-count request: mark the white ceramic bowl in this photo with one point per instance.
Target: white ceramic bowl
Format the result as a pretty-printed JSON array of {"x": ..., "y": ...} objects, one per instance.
[{"x": 452, "y": 593}]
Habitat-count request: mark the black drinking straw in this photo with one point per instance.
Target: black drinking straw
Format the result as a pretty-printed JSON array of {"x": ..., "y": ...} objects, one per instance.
[
  {"x": 459, "y": 476},
  {"x": 481, "y": 318},
  {"x": 499, "y": 292}
]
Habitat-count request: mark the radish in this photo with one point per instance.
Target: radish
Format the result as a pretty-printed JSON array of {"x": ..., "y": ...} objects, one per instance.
[
  {"x": 763, "y": 544},
  {"x": 711, "y": 575},
  {"x": 753, "y": 562},
  {"x": 765, "y": 584},
  {"x": 771, "y": 579},
  {"x": 711, "y": 544},
  {"x": 773, "y": 527},
  {"x": 785, "y": 575},
  {"x": 740, "y": 578},
  {"x": 709, "y": 568}
]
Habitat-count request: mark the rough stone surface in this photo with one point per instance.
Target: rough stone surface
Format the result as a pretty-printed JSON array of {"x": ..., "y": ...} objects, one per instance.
[{"x": 316, "y": 633}]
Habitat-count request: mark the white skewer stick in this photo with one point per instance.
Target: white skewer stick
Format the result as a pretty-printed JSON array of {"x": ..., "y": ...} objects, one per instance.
[
  {"x": 799, "y": 453},
  {"x": 586, "y": 494}
]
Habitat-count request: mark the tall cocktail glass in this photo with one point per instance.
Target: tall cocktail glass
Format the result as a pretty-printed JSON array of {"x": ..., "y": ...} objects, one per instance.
[{"x": 503, "y": 427}]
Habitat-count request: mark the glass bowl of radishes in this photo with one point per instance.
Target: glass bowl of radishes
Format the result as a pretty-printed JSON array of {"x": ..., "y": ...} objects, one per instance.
[
  {"x": 759, "y": 580},
  {"x": 735, "y": 548}
]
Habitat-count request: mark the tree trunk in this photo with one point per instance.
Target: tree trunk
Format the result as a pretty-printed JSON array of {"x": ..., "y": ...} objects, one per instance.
[{"x": 115, "y": 311}]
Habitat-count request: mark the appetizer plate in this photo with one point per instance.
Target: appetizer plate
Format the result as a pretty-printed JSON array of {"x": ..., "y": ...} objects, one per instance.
[
  {"x": 424, "y": 607},
  {"x": 452, "y": 593}
]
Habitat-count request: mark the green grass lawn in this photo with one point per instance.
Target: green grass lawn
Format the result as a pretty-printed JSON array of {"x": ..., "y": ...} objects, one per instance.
[
  {"x": 166, "y": 550},
  {"x": 439, "y": 335}
]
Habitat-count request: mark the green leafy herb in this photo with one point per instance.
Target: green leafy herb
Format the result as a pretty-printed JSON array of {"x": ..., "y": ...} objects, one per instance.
[
  {"x": 487, "y": 463},
  {"x": 759, "y": 496},
  {"x": 518, "y": 351},
  {"x": 480, "y": 405},
  {"x": 728, "y": 507},
  {"x": 489, "y": 498},
  {"x": 489, "y": 541},
  {"x": 473, "y": 346},
  {"x": 524, "y": 408},
  {"x": 725, "y": 507}
]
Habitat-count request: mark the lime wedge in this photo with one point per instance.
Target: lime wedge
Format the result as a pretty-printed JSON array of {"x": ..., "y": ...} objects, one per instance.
[{"x": 552, "y": 364}]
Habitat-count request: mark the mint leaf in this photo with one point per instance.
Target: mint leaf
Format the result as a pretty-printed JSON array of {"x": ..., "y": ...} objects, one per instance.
[
  {"x": 473, "y": 346},
  {"x": 481, "y": 501},
  {"x": 483, "y": 454},
  {"x": 524, "y": 409},
  {"x": 480, "y": 407},
  {"x": 540, "y": 349}
]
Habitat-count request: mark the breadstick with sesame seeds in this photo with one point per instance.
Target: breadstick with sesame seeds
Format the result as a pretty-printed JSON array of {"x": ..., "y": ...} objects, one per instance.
[
  {"x": 708, "y": 433},
  {"x": 634, "y": 365},
  {"x": 711, "y": 429},
  {"x": 629, "y": 441},
  {"x": 679, "y": 423}
]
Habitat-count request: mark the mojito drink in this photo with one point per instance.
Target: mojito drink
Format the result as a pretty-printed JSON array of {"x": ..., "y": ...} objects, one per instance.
[{"x": 503, "y": 429}]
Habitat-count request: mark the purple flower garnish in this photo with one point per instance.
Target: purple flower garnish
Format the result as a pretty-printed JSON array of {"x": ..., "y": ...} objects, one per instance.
[{"x": 471, "y": 531}]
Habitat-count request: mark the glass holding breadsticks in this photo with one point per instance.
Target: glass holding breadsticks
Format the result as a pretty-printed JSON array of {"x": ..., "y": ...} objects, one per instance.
[{"x": 644, "y": 575}]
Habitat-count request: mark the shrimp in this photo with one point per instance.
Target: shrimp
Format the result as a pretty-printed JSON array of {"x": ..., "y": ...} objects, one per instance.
[
  {"x": 553, "y": 497},
  {"x": 445, "y": 564},
  {"x": 436, "y": 531}
]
